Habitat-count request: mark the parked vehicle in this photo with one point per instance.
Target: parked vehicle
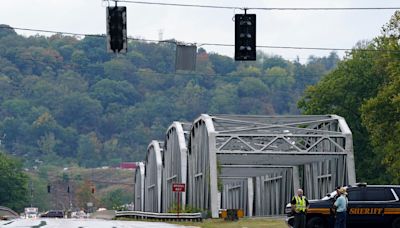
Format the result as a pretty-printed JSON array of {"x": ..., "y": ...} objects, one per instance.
[
  {"x": 31, "y": 212},
  {"x": 373, "y": 205},
  {"x": 79, "y": 214},
  {"x": 53, "y": 214}
]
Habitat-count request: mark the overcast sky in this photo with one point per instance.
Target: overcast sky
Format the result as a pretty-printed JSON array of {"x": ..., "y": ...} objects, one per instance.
[{"x": 335, "y": 29}]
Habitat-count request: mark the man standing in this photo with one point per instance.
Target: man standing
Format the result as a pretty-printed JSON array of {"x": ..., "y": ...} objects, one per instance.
[
  {"x": 341, "y": 209},
  {"x": 299, "y": 207},
  {"x": 331, "y": 219}
]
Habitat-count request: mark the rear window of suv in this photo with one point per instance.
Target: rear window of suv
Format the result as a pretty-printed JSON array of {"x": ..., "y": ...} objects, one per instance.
[{"x": 378, "y": 194}]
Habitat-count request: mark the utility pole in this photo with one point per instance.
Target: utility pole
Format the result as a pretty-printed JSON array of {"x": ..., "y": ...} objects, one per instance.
[{"x": 31, "y": 187}]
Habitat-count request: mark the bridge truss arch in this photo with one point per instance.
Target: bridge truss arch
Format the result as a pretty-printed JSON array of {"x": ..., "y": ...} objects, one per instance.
[
  {"x": 153, "y": 177},
  {"x": 175, "y": 163},
  {"x": 139, "y": 187},
  {"x": 199, "y": 165},
  {"x": 226, "y": 148}
]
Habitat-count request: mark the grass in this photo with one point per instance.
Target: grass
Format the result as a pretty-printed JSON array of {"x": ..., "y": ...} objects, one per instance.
[{"x": 242, "y": 223}]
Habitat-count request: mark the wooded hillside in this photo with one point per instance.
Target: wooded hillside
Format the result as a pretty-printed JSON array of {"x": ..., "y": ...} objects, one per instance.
[{"x": 65, "y": 100}]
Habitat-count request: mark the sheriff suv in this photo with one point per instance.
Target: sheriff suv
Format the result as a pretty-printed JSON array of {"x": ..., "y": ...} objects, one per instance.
[{"x": 368, "y": 205}]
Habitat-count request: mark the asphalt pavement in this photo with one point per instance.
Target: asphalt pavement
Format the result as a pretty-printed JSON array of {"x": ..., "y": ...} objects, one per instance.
[{"x": 82, "y": 223}]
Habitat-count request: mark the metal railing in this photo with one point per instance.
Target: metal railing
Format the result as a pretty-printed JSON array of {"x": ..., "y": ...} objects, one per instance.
[{"x": 161, "y": 216}]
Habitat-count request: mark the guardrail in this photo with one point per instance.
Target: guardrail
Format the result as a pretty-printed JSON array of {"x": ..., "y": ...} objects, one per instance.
[{"x": 197, "y": 217}]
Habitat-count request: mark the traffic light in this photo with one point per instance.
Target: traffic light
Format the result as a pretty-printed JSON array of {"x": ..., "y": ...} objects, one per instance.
[
  {"x": 48, "y": 188},
  {"x": 245, "y": 37},
  {"x": 93, "y": 190},
  {"x": 185, "y": 57},
  {"x": 68, "y": 190},
  {"x": 116, "y": 29}
]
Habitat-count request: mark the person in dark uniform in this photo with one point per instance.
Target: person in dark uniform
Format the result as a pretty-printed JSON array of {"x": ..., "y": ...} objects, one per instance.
[{"x": 299, "y": 208}]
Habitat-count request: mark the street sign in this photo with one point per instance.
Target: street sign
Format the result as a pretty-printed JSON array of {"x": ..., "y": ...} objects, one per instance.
[{"x": 178, "y": 187}]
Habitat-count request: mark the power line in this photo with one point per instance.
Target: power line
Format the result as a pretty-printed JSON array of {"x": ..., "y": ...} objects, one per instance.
[
  {"x": 50, "y": 31},
  {"x": 181, "y": 5},
  {"x": 258, "y": 8},
  {"x": 283, "y": 47},
  {"x": 198, "y": 43}
]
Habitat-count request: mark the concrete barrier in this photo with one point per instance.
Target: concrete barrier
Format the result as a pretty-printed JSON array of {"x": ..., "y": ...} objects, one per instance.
[{"x": 107, "y": 214}]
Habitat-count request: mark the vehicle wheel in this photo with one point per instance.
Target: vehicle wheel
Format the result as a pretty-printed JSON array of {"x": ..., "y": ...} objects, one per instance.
[
  {"x": 316, "y": 222},
  {"x": 396, "y": 223}
]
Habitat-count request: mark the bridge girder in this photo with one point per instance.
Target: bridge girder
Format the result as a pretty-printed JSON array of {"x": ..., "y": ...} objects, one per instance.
[
  {"x": 175, "y": 163},
  {"x": 153, "y": 176},
  {"x": 139, "y": 186},
  {"x": 217, "y": 142}
]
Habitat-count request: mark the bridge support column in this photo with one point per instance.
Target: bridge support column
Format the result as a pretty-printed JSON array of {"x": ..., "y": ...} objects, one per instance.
[
  {"x": 250, "y": 195},
  {"x": 296, "y": 179},
  {"x": 350, "y": 161},
  {"x": 213, "y": 177}
]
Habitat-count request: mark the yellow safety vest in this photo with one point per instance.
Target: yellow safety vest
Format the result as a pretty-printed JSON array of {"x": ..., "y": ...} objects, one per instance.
[{"x": 300, "y": 203}]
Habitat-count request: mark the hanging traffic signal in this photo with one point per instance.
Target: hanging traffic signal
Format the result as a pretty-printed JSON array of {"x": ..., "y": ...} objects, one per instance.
[
  {"x": 93, "y": 190},
  {"x": 245, "y": 37},
  {"x": 185, "y": 57},
  {"x": 117, "y": 41},
  {"x": 48, "y": 188}
]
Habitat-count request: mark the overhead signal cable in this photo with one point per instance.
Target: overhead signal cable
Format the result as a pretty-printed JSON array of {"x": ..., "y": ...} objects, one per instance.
[
  {"x": 198, "y": 43},
  {"x": 258, "y": 8}
]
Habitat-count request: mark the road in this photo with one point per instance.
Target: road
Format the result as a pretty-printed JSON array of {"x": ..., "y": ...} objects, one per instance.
[{"x": 82, "y": 223}]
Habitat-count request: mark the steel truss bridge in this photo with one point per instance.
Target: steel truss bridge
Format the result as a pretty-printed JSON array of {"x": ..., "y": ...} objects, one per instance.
[{"x": 254, "y": 163}]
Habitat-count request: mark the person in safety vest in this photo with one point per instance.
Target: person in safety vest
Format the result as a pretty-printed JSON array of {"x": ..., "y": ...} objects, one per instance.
[{"x": 299, "y": 208}]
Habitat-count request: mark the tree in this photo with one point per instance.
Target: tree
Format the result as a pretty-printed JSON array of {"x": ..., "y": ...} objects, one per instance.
[
  {"x": 342, "y": 92},
  {"x": 84, "y": 194},
  {"x": 252, "y": 87},
  {"x": 89, "y": 149},
  {"x": 224, "y": 99},
  {"x": 381, "y": 114},
  {"x": 58, "y": 92},
  {"x": 13, "y": 182},
  {"x": 116, "y": 198},
  {"x": 119, "y": 69},
  {"x": 364, "y": 89},
  {"x": 6, "y": 31},
  {"x": 192, "y": 100},
  {"x": 222, "y": 64},
  {"x": 79, "y": 111},
  {"x": 109, "y": 91}
]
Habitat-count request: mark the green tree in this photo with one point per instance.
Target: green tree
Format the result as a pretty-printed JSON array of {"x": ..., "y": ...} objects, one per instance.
[
  {"x": 364, "y": 89},
  {"x": 89, "y": 150},
  {"x": 119, "y": 69},
  {"x": 224, "y": 99},
  {"x": 13, "y": 182},
  {"x": 109, "y": 91},
  {"x": 342, "y": 92},
  {"x": 58, "y": 91},
  {"x": 252, "y": 87},
  {"x": 381, "y": 114},
  {"x": 6, "y": 31},
  {"x": 222, "y": 64},
  {"x": 116, "y": 198},
  {"x": 79, "y": 111}
]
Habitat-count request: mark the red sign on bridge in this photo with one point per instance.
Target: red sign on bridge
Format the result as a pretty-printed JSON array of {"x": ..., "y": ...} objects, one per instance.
[{"x": 178, "y": 187}]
